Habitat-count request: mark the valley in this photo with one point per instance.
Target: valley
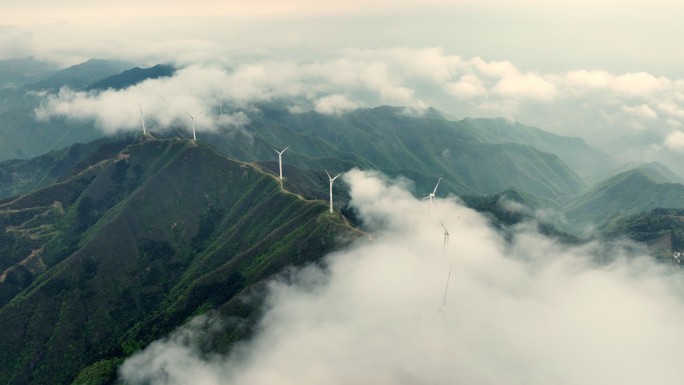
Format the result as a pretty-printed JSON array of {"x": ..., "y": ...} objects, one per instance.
[{"x": 111, "y": 242}]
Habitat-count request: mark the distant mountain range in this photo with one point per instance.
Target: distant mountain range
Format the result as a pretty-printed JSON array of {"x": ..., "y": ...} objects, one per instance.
[
  {"x": 474, "y": 156},
  {"x": 111, "y": 243},
  {"x": 629, "y": 192},
  {"x": 17, "y": 72},
  {"x": 472, "y": 160},
  {"x": 661, "y": 230},
  {"x": 22, "y": 136},
  {"x": 132, "y": 77},
  {"x": 81, "y": 75}
]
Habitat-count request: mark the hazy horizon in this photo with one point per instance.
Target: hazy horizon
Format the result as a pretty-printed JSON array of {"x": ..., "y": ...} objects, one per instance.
[{"x": 608, "y": 73}]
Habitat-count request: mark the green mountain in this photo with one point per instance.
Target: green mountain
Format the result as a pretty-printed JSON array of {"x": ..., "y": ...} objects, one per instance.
[
  {"x": 131, "y": 245},
  {"x": 81, "y": 75},
  {"x": 24, "y": 137},
  {"x": 661, "y": 230},
  {"x": 132, "y": 77},
  {"x": 511, "y": 207},
  {"x": 20, "y": 177},
  {"x": 419, "y": 147},
  {"x": 657, "y": 169},
  {"x": 575, "y": 152},
  {"x": 630, "y": 192}
]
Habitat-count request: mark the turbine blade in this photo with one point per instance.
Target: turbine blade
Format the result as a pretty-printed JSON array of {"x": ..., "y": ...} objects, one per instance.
[
  {"x": 336, "y": 177},
  {"x": 329, "y": 177},
  {"x": 437, "y": 185},
  {"x": 286, "y": 148}
]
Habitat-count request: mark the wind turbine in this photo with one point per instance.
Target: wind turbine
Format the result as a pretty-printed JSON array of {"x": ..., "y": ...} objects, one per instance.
[
  {"x": 446, "y": 236},
  {"x": 142, "y": 119},
  {"x": 441, "y": 309},
  {"x": 194, "y": 137},
  {"x": 280, "y": 161},
  {"x": 431, "y": 196},
  {"x": 331, "y": 183}
]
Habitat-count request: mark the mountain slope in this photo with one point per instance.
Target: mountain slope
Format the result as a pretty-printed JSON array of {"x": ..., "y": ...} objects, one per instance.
[
  {"x": 132, "y": 77},
  {"x": 80, "y": 75},
  {"x": 629, "y": 192},
  {"x": 24, "y": 137},
  {"x": 661, "y": 230},
  {"x": 655, "y": 169},
  {"x": 19, "y": 177},
  {"x": 573, "y": 151},
  {"x": 419, "y": 147},
  {"x": 101, "y": 264}
]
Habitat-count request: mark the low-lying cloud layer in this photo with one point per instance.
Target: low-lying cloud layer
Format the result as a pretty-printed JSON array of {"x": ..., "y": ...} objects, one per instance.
[
  {"x": 636, "y": 116},
  {"x": 525, "y": 312}
]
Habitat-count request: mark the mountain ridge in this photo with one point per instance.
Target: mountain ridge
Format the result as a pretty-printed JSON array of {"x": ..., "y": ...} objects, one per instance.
[
  {"x": 629, "y": 192},
  {"x": 141, "y": 242}
]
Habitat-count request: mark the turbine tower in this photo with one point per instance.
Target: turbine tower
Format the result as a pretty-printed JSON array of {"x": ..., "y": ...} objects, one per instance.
[
  {"x": 446, "y": 237},
  {"x": 431, "y": 196},
  {"x": 192, "y": 118},
  {"x": 280, "y": 160},
  {"x": 331, "y": 183},
  {"x": 441, "y": 309},
  {"x": 142, "y": 119}
]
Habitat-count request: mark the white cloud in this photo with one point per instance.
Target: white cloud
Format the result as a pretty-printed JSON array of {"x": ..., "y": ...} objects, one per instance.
[
  {"x": 589, "y": 79},
  {"x": 640, "y": 84},
  {"x": 642, "y": 111},
  {"x": 528, "y": 86},
  {"x": 675, "y": 140},
  {"x": 595, "y": 105},
  {"x": 529, "y": 312},
  {"x": 494, "y": 69},
  {"x": 334, "y": 105},
  {"x": 467, "y": 87}
]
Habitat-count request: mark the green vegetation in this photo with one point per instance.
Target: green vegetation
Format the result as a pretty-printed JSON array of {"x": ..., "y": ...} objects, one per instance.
[
  {"x": 132, "y": 77},
  {"x": 116, "y": 256},
  {"x": 473, "y": 160},
  {"x": 81, "y": 75},
  {"x": 19, "y": 177},
  {"x": 661, "y": 230},
  {"x": 630, "y": 192}
]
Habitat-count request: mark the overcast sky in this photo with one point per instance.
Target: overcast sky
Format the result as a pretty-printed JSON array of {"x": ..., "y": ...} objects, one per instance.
[
  {"x": 608, "y": 72},
  {"x": 617, "y": 36}
]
